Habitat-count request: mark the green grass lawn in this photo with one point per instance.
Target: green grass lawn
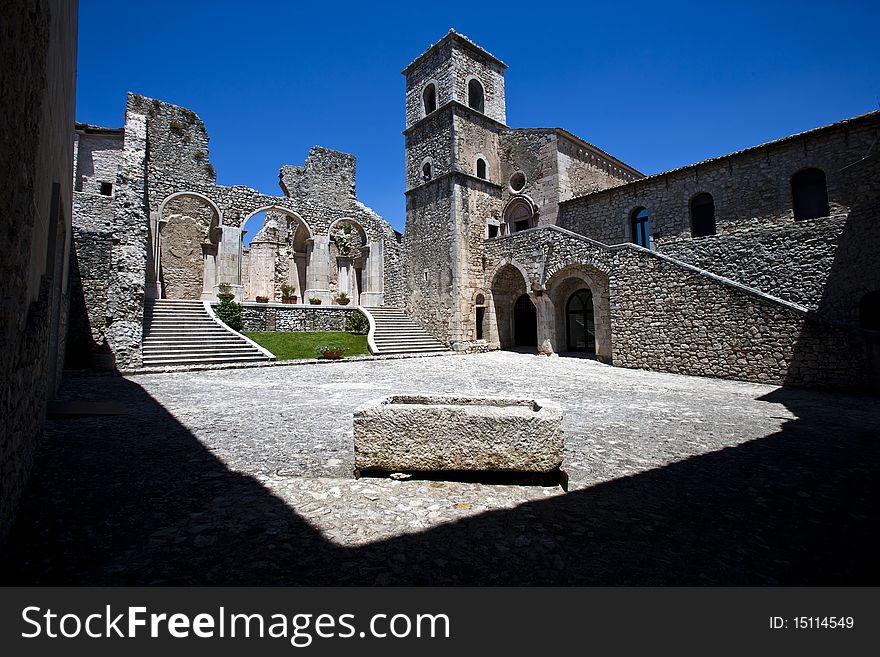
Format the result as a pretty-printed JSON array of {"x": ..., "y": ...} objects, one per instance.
[{"x": 290, "y": 346}]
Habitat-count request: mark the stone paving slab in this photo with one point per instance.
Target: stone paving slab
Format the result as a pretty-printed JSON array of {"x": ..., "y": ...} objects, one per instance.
[{"x": 245, "y": 477}]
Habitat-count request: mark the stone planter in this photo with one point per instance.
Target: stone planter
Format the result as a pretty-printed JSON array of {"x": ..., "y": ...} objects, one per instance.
[
  {"x": 315, "y": 302},
  {"x": 262, "y": 299},
  {"x": 424, "y": 433},
  {"x": 332, "y": 354},
  {"x": 343, "y": 302},
  {"x": 225, "y": 296},
  {"x": 289, "y": 300}
]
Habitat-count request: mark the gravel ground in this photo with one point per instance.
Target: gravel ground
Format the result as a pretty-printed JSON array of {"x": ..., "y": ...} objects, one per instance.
[{"x": 245, "y": 477}]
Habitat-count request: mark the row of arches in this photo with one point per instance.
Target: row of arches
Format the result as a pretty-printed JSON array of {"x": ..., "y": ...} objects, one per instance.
[
  {"x": 809, "y": 197},
  {"x": 476, "y": 96},
  {"x": 570, "y": 315},
  {"x": 194, "y": 251}
]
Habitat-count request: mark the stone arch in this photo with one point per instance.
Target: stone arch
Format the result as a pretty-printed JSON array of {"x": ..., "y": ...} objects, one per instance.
[
  {"x": 560, "y": 287},
  {"x": 171, "y": 197},
  {"x": 519, "y": 213},
  {"x": 355, "y": 262},
  {"x": 280, "y": 254},
  {"x": 186, "y": 246},
  {"x": 282, "y": 210},
  {"x": 508, "y": 282}
]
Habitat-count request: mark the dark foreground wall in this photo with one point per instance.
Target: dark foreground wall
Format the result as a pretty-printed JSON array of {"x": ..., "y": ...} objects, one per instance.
[{"x": 38, "y": 43}]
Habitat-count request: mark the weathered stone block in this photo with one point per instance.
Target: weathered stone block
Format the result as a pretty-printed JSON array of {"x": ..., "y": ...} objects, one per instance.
[{"x": 424, "y": 433}]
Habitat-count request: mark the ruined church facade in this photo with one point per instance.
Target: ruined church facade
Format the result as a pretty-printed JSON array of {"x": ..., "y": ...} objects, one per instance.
[
  {"x": 759, "y": 265},
  {"x": 151, "y": 222}
]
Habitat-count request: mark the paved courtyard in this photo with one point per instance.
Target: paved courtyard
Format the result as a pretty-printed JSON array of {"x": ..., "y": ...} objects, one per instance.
[{"x": 245, "y": 477}]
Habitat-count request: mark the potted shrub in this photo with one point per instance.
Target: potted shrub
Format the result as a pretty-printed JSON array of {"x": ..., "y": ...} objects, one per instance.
[
  {"x": 330, "y": 351},
  {"x": 224, "y": 292},
  {"x": 315, "y": 301},
  {"x": 262, "y": 299},
  {"x": 287, "y": 294},
  {"x": 342, "y": 299}
]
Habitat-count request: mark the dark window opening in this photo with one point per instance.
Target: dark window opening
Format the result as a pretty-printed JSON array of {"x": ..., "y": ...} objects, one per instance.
[
  {"x": 809, "y": 194},
  {"x": 429, "y": 98},
  {"x": 869, "y": 311},
  {"x": 518, "y": 216},
  {"x": 481, "y": 168},
  {"x": 426, "y": 171},
  {"x": 493, "y": 230},
  {"x": 106, "y": 188},
  {"x": 580, "y": 325},
  {"x": 475, "y": 95},
  {"x": 702, "y": 215},
  {"x": 481, "y": 313},
  {"x": 640, "y": 226},
  {"x": 525, "y": 323},
  {"x": 518, "y": 181}
]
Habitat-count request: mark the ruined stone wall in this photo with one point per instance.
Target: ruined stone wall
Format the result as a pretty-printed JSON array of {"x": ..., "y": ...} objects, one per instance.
[
  {"x": 189, "y": 220},
  {"x": 98, "y": 158},
  {"x": 276, "y": 317},
  {"x": 90, "y": 275},
  {"x": 751, "y": 189},
  {"x": 38, "y": 49}
]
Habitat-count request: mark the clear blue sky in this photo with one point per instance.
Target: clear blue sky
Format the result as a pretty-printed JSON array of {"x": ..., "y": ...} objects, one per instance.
[{"x": 657, "y": 84}]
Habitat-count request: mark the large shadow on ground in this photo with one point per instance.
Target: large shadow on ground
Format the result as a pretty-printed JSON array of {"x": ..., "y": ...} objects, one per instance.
[{"x": 135, "y": 499}]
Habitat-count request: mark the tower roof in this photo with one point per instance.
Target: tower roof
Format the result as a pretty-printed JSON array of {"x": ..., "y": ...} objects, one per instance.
[{"x": 462, "y": 40}]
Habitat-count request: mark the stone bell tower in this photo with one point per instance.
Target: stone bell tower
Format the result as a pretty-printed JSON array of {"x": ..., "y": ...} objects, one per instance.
[{"x": 455, "y": 114}]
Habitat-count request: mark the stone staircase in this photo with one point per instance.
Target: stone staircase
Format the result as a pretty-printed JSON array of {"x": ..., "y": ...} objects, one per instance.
[
  {"x": 396, "y": 333},
  {"x": 180, "y": 332}
]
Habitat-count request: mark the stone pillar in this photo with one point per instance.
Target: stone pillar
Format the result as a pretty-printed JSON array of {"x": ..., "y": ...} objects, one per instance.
[
  {"x": 209, "y": 278},
  {"x": 228, "y": 265},
  {"x": 373, "y": 277},
  {"x": 346, "y": 282},
  {"x": 546, "y": 324},
  {"x": 319, "y": 269},
  {"x": 153, "y": 289}
]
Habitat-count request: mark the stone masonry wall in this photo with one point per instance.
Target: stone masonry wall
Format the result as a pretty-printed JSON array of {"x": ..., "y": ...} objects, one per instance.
[
  {"x": 428, "y": 246},
  {"x": 666, "y": 316},
  {"x": 751, "y": 189},
  {"x": 294, "y": 318},
  {"x": 791, "y": 262},
  {"x": 98, "y": 158},
  {"x": 38, "y": 51}
]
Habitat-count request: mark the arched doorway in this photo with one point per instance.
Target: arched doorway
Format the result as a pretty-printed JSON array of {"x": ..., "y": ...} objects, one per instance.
[
  {"x": 580, "y": 326},
  {"x": 525, "y": 323}
]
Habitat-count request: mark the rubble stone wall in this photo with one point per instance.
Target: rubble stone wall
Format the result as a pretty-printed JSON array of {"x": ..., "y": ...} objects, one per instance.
[{"x": 295, "y": 318}]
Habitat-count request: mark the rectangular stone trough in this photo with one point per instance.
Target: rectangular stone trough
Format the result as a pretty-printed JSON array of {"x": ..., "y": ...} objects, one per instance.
[{"x": 424, "y": 433}]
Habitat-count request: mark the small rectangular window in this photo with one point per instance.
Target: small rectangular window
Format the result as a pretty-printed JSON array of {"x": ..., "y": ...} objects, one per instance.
[
  {"x": 493, "y": 230},
  {"x": 106, "y": 188}
]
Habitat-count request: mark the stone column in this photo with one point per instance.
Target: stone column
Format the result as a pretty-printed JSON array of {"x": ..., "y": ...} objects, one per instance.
[
  {"x": 229, "y": 260},
  {"x": 153, "y": 289},
  {"x": 346, "y": 282},
  {"x": 319, "y": 269},
  {"x": 373, "y": 280},
  {"x": 546, "y": 324},
  {"x": 209, "y": 278}
]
